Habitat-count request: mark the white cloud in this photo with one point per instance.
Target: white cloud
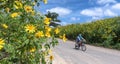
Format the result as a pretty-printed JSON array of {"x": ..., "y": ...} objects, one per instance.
[
  {"x": 61, "y": 11},
  {"x": 98, "y": 12},
  {"x": 64, "y": 23},
  {"x": 102, "y": 12},
  {"x": 92, "y": 12},
  {"x": 75, "y": 19},
  {"x": 116, "y": 6},
  {"x": 108, "y": 12},
  {"x": 106, "y": 1}
]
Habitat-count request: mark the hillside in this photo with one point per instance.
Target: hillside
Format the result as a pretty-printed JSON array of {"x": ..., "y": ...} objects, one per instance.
[{"x": 104, "y": 32}]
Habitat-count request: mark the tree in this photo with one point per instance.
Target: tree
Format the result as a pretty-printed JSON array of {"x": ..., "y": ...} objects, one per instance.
[{"x": 54, "y": 18}]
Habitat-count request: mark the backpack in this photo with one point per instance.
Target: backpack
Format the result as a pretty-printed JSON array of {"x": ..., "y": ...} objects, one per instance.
[{"x": 83, "y": 40}]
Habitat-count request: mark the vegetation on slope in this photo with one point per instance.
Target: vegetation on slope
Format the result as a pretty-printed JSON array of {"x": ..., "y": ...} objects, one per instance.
[{"x": 101, "y": 32}]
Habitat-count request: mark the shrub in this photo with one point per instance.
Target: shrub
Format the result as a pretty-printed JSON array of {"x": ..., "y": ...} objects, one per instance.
[{"x": 25, "y": 35}]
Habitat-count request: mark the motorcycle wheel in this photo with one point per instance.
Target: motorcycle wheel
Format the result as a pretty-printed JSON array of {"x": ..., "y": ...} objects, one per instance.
[
  {"x": 83, "y": 47},
  {"x": 77, "y": 46}
]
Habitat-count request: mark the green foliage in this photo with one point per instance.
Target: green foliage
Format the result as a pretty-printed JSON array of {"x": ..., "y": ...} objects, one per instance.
[
  {"x": 117, "y": 46},
  {"x": 108, "y": 42},
  {"x": 25, "y": 35}
]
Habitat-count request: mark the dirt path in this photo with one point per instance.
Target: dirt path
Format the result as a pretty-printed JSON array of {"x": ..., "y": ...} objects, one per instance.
[{"x": 93, "y": 55}]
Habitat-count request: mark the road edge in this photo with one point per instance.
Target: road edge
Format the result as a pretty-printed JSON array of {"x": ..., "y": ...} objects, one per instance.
[{"x": 58, "y": 59}]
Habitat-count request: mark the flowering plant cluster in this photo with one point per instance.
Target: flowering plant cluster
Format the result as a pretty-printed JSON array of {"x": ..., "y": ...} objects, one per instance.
[{"x": 25, "y": 35}]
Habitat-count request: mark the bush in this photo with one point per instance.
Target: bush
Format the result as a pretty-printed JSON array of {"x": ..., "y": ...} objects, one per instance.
[
  {"x": 108, "y": 42},
  {"x": 25, "y": 35},
  {"x": 117, "y": 46}
]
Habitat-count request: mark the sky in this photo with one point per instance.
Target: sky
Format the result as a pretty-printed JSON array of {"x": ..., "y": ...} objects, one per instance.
[{"x": 81, "y": 11}]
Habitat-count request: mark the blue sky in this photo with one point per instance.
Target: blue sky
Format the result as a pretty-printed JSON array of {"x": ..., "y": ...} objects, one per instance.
[{"x": 81, "y": 11}]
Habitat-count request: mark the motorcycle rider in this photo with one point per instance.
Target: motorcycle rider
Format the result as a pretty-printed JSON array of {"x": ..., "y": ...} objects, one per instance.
[
  {"x": 80, "y": 42},
  {"x": 80, "y": 39}
]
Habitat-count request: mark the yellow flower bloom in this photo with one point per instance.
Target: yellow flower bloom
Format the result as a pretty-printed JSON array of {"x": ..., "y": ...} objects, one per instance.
[
  {"x": 50, "y": 51},
  {"x": 45, "y": 53},
  {"x": 33, "y": 13},
  {"x": 32, "y": 50},
  {"x": 48, "y": 28},
  {"x": 1, "y": 47},
  {"x": 43, "y": 48},
  {"x": 18, "y": 4},
  {"x": 33, "y": 3},
  {"x": 7, "y": 10},
  {"x": 60, "y": 36},
  {"x": 47, "y": 21},
  {"x": 4, "y": 33},
  {"x": 57, "y": 31},
  {"x": 5, "y": 26},
  {"x": 51, "y": 57},
  {"x": 1, "y": 43},
  {"x": 28, "y": 8},
  {"x": 47, "y": 34},
  {"x": 45, "y": 1},
  {"x": 15, "y": 14},
  {"x": 64, "y": 37},
  {"x": 30, "y": 28},
  {"x": 39, "y": 34}
]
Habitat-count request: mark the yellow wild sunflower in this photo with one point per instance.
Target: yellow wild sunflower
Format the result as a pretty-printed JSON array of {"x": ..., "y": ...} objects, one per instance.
[
  {"x": 45, "y": 1},
  {"x": 50, "y": 51},
  {"x": 47, "y": 34},
  {"x": 57, "y": 31},
  {"x": 28, "y": 8},
  {"x": 5, "y": 26},
  {"x": 15, "y": 14},
  {"x": 1, "y": 47},
  {"x": 48, "y": 28},
  {"x": 64, "y": 38},
  {"x": 1, "y": 43},
  {"x": 32, "y": 13},
  {"x": 47, "y": 21},
  {"x": 18, "y": 4},
  {"x": 39, "y": 34},
  {"x": 30, "y": 28},
  {"x": 60, "y": 36},
  {"x": 32, "y": 50},
  {"x": 51, "y": 57},
  {"x": 33, "y": 3},
  {"x": 7, "y": 10}
]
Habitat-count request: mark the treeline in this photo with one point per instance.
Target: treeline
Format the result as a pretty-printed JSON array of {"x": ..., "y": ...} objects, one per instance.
[{"x": 104, "y": 32}]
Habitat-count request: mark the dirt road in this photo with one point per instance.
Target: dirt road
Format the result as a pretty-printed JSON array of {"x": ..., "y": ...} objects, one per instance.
[{"x": 93, "y": 55}]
